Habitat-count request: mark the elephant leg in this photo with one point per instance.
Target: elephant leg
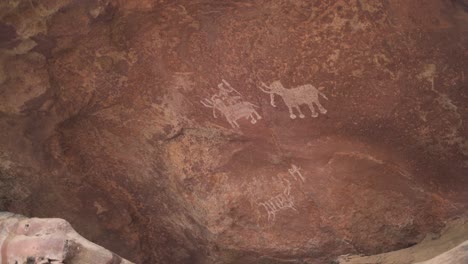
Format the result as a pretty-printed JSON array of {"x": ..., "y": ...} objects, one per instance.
[
  {"x": 252, "y": 119},
  {"x": 301, "y": 115},
  {"x": 257, "y": 115},
  {"x": 312, "y": 109},
  {"x": 232, "y": 122},
  {"x": 320, "y": 107},
  {"x": 291, "y": 114}
]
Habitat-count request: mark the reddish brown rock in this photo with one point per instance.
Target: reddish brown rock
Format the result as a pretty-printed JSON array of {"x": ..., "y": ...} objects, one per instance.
[
  {"x": 150, "y": 125},
  {"x": 448, "y": 247}
]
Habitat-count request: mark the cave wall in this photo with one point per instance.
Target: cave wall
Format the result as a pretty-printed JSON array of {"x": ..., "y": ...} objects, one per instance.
[{"x": 107, "y": 121}]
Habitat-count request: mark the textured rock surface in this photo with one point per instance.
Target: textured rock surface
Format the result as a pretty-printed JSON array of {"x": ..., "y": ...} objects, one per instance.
[
  {"x": 50, "y": 240},
  {"x": 447, "y": 247},
  {"x": 456, "y": 255},
  {"x": 102, "y": 124}
]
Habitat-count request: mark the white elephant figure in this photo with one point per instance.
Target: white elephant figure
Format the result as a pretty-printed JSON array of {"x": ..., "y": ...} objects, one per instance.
[{"x": 295, "y": 97}]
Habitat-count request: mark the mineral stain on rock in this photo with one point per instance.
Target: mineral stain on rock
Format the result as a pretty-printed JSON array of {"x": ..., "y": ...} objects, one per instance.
[
  {"x": 7, "y": 35},
  {"x": 197, "y": 131}
]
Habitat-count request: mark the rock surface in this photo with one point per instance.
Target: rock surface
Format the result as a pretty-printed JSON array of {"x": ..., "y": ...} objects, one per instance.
[
  {"x": 33, "y": 240},
  {"x": 456, "y": 255},
  {"x": 150, "y": 125},
  {"x": 448, "y": 247}
]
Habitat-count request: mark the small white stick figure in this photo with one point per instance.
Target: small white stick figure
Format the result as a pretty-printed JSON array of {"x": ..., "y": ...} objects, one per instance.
[{"x": 295, "y": 171}]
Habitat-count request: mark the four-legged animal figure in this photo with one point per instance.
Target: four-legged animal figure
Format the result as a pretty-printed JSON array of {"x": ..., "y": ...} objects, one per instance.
[
  {"x": 295, "y": 97},
  {"x": 233, "y": 112},
  {"x": 233, "y": 108}
]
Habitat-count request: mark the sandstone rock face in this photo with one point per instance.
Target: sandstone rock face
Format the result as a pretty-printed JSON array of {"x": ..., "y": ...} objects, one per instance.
[
  {"x": 447, "y": 247},
  {"x": 34, "y": 240},
  {"x": 197, "y": 131},
  {"x": 456, "y": 255}
]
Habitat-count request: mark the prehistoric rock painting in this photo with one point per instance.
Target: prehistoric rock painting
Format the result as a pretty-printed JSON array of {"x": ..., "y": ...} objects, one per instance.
[
  {"x": 305, "y": 94},
  {"x": 229, "y": 102},
  {"x": 279, "y": 202},
  {"x": 296, "y": 173}
]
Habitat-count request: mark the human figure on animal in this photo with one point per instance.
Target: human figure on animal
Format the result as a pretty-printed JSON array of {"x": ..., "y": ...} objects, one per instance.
[
  {"x": 234, "y": 112},
  {"x": 295, "y": 97},
  {"x": 225, "y": 93}
]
